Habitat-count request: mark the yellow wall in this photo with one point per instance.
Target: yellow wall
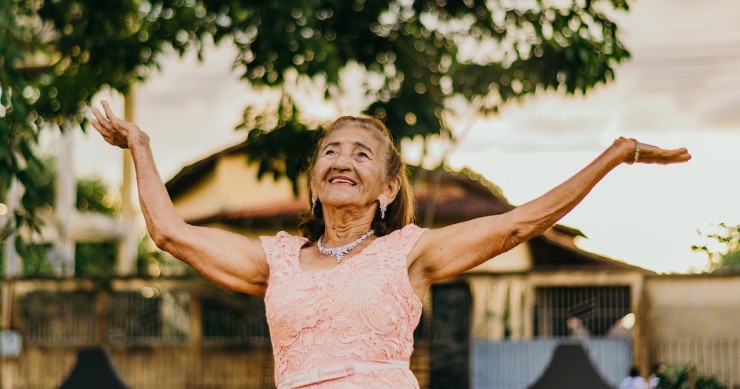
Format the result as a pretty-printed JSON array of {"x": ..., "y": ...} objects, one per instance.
[
  {"x": 233, "y": 185},
  {"x": 518, "y": 259}
]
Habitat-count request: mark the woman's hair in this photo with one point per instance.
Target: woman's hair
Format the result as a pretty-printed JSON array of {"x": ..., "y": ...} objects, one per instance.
[{"x": 398, "y": 214}]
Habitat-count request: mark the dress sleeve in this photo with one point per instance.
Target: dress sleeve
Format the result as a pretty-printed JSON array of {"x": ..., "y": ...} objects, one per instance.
[
  {"x": 281, "y": 250},
  {"x": 409, "y": 235}
]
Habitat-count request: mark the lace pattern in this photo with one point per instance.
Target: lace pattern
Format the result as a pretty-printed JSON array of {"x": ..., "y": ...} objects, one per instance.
[{"x": 362, "y": 309}]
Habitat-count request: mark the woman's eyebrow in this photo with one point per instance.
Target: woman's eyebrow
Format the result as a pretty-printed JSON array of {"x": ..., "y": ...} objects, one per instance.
[
  {"x": 332, "y": 144},
  {"x": 356, "y": 143},
  {"x": 363, "y": 146}
]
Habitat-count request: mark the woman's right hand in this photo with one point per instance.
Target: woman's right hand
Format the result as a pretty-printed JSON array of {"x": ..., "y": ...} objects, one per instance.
[{"x": 115, "y": 130}]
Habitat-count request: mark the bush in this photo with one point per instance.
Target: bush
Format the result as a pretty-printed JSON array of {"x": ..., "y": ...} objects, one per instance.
[{"x": 680, "y": 376}]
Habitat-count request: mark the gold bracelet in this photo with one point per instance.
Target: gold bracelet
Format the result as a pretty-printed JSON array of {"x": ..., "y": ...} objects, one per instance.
[{"x": 637, "y": 152}]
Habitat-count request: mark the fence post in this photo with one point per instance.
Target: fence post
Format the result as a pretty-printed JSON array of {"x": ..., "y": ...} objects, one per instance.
[
  {"x": 195, "y": 340},
  {"x": 449, "y": 357},
  {"x": 8, "y": 366},
  {"x": 102, "y": 300}
]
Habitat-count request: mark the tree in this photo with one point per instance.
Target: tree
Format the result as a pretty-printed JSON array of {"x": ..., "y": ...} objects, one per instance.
[
  {"x": 92, "y": 259},
  {"x": 722, "y": 248},
  {"x": 57, "y": 55}
]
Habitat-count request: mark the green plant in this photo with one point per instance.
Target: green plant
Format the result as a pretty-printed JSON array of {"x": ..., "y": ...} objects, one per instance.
[
  {"x": 722, "y": 246},
  {"x": 680, "y": 376}
]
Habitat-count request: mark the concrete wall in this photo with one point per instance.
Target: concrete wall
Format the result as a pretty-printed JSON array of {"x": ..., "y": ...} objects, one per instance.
[
  {"x": 159, "y": 366},
  {"x": 695, "y": 320},
  {"x": 680, "y": 307}
]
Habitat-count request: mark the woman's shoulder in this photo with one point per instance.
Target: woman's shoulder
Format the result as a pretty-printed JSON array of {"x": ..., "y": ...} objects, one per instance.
[
  {"x": 411, "y": 229},
  {"x": 281, "y": 241},
  {"x": 408, "y": 232},
  {"x": 282, "y": 235},
  {"x": 404, "y": 236}
]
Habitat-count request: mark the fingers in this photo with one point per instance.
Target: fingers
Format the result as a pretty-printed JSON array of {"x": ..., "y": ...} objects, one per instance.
[
  {"x": 109, "y": 112},
  {"x": 683, "y": 155},
  {"x": 100, "y": 118},
  {"x": 666, "y": 156},
  {"x": 105, "y": 126},
  {"x": 112, "y": 118},
  {"x": 101, "y": 124}
]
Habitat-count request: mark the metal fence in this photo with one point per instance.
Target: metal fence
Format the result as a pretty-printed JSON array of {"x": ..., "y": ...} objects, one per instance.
[
  {"x": 719, "y": 358},
  {"x": 159, "y": 334},
  {"x": 597, "y": 310}
]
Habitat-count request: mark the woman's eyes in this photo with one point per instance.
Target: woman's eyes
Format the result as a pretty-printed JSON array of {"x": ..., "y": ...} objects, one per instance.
[{"x": 360, "y": 154}]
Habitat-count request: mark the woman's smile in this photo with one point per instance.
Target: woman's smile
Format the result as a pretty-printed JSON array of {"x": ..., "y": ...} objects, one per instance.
[{"x": 342, "y": 180}]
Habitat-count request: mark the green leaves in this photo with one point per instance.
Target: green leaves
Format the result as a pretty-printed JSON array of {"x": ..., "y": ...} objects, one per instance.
[
  {"x": 429, "y": 52},
  {"x": 56, "y": 55},
  {"x": 722, "y": 246},
  {"x": 680, "y": 376},
  {"x": 284, "y": 150}
]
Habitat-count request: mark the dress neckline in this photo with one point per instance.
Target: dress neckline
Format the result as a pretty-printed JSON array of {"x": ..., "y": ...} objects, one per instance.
[{"x": 340, "y": 264}]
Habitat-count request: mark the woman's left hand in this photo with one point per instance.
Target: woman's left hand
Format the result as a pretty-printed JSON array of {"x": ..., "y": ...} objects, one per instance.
[
  {"x": 115, "y": 130},
  {"x": 637, "y": 152}
]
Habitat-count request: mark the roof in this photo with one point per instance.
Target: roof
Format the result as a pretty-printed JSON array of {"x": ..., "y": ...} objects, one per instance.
[{"x": 549, "y": 249}]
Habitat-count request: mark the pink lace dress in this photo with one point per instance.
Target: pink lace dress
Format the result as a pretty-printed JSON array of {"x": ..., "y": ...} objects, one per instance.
[{"x": 362, "y": 310}]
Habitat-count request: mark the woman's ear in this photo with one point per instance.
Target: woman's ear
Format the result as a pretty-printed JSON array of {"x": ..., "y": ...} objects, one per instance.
[{"x": 390, "y": 191}]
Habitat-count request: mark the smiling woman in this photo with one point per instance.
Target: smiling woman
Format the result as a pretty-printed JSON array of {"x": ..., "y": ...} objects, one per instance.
[
  {"x": 343, "y": 300},
  {"x": 372, "y": 170}
]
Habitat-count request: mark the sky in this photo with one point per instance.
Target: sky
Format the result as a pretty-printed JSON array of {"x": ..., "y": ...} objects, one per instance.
[{"x": 680, "y": 89}]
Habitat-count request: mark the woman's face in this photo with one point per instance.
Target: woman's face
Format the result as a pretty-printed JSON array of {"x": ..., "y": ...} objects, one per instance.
[{"x": 349, "y": 168}]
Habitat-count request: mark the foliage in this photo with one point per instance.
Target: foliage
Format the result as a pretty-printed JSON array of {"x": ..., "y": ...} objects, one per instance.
[
  {"x": 679, "y": 376},
  {"x": 427, "y": 53},
  {"x": 152, "y": 262},
  {"x": 56, "y": 55},
  {"x": 92, "y": 259},
  {"x": 722, "y": 248}
]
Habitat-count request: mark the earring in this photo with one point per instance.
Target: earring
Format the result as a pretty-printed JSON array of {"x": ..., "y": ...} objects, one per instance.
[
  {"x": 313, "y": 205},
  {"x": 383, "y": 207}
]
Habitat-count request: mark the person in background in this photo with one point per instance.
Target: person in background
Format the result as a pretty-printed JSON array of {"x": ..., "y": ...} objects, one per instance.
[
  {"x": 653, "y": 379},
  {"x": 576, "y": 328},
  {"x": 634, "y": 380}
]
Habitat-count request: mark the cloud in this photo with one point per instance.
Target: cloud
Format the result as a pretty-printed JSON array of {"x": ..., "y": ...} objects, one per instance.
[
  {"x": 723, "y": 112},
  {"x": 547, "y": 123},
  {"x": 647, "y": 113}
]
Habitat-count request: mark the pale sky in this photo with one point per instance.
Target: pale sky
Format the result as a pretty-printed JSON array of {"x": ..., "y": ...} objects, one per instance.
[{"x": 680, "y": 89}]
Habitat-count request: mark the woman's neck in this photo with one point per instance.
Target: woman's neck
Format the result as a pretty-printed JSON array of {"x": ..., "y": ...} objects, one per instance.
[{"x": 342, "y": 230}]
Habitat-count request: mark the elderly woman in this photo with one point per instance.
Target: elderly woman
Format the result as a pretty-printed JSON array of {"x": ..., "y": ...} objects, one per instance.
[{"x": 343, "y": 300}]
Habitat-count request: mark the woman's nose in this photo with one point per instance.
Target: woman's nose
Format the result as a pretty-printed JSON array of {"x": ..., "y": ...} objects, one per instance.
[{"x": 342, "y": 162}]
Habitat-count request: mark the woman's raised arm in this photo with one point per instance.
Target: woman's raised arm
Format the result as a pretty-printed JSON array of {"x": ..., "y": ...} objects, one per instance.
[
  {"x": 448, "y": 251},
  {"x": 228, "y": 259}
]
